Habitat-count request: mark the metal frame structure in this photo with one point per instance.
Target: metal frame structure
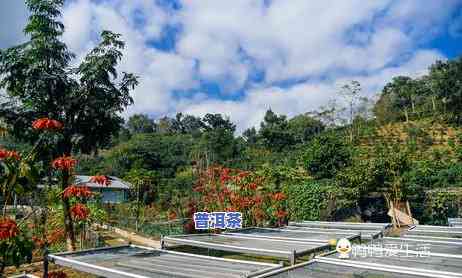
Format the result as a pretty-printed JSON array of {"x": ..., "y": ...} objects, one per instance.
[
  {"x": 434, "y": 238},
  {"x": 373, "y": 234},
  {"x": 437, "y": 240},
  {"x": 342, "y": 225},
  {"x": 63, "y": 260},
  {"x": 392, "y": 268},
  {"x": 414, "y": 270},
  {"x": 366, "y": 266},
  {"x": 455, "y": 222},
  {"x": 379, "y": 225},
  {"x": 435, "y": 230},
  {"x": 290, "y": 255},
  {"x": 349, "y": 236}
]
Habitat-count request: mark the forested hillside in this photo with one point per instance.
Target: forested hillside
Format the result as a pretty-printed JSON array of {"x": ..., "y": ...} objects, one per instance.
[{"x": 341, "y": 162}]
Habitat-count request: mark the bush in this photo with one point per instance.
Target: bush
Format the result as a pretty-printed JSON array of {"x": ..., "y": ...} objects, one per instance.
[
  {"x": 326, "y": 155},
  {"x": 319, "y": 200},
  {"x": 441, "y": 204}
]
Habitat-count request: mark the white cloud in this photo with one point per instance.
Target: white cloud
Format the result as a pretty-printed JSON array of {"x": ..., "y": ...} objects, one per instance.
[
  {"x": 160, "y": 73},
  {"x": 319, "y": 43},
  {"x": 306, "y": 96}
]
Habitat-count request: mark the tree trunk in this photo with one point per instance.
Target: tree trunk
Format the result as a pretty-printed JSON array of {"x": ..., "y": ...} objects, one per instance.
[
  {"x": 68, "y": 223},
  {"x": 433, "y": 103}
]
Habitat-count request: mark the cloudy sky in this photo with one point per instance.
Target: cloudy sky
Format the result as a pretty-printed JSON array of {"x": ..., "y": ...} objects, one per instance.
[{"x": 242, "y": 57}]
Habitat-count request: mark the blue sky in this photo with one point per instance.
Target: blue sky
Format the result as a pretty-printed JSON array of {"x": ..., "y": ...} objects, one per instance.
[{"x": 242, "y": 57}]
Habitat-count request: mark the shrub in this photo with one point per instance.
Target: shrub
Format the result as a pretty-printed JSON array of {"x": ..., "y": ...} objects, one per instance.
[{"x": 314, "y": 200}]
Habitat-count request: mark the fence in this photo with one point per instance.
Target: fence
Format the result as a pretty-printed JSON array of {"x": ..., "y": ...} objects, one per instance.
[{"x": 152, "y": 227}]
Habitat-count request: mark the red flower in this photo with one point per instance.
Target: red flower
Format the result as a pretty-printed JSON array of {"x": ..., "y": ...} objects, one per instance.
[
  {"x": 4, "y": 154},
  {"x": 80, "y": 211},
  {"x": 47, "y": 124},
  {"x": 259, "y": 214},
  {"x": 77, "y": 191},
  {"x": 257, "y": 200},
  {"x": 104, "y": 180},
  {"x": 8, "y": 229},
  {"x": 230, "y": 209},
  {"x": 39, "y": 243},
  {"x": 224, "y": 176},
  {"x": 64, "y": 163},
  {"x": 56, "y": 236},
  {"x": 279, "y": 196},
  {"x": 253, "y": 186},
  {"x": 57, "y": 274},
  {"x": 280, "y": 214}
]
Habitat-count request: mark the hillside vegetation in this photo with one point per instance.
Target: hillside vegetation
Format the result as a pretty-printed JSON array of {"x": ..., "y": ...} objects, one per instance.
[{"x": 336, "y": 163}]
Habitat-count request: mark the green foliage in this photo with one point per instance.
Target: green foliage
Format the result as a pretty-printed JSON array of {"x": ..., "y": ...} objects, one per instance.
[
  {"x": 15, "y": 251},
  {"x": 140, "y": 123},
  {"x": 162, "y": 153},
  {"x": 217, "y": 142},
  {"x": 441, "y": 204},
  {"x": 304, "y": 128},
  {"x": 318, "y": 200},
  {"x": 274, "y": 132},
  {"x": 40, "y": 82},
  {"x": 326, "y": 155},
  {"x": 445, "y": 81},
  {"x": 278, "y": 177}
]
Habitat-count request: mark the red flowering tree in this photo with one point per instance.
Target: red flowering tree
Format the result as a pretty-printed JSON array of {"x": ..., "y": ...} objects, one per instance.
[
  {"x": 74, "y": 197},
  {"x": 16, "y": 174},
  {"x": 224, "y": 189},
  {"x": 15, "y": 246}
]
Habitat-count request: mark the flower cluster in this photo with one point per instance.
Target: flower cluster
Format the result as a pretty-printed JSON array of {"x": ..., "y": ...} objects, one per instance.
[
  {"x": 80, "y": 211},
  {"x": 53, "y": 238},
  {"x": 65, "y": 163},
  {"x": 47, "y": 124},
  {"x": 100, "y": 179},
  {"x": 8, "y": 228},
  {"x": 77, "y": 191},
  {"x": 279, "y": 196},
  {"x": 224, "y": 189},
  {"x": 5, "y": 154}
]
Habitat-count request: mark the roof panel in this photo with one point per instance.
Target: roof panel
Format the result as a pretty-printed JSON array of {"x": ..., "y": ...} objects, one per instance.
[
  {"x": 402, "y": 258},
  {"x": 320, "y": 268},
  {"x": 251, "y": 245},
  {"x": 341, "y": 225},
  {"x": 295, "y": 235},
  {"x": 364, "y": 233},
  {"x": 140, "y": 262}
]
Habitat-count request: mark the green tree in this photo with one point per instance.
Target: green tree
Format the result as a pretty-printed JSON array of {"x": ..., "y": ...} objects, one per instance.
[
  {"x": 274, "y": 132},
  {"x": 218, "y": 143},
  {"x": 304, "y": 128},
  {"x": 187, "y": 124},
  {"x": 40, "y": 82},
  {"x": 140, "y": 123},
  {"x": 142, "y": 180},
  {"x": 403, "y": 94},
  {"x": 250, "y": 136},
  {"x": 325, "y": 155},
  {"x": 446, "y": 81}
]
